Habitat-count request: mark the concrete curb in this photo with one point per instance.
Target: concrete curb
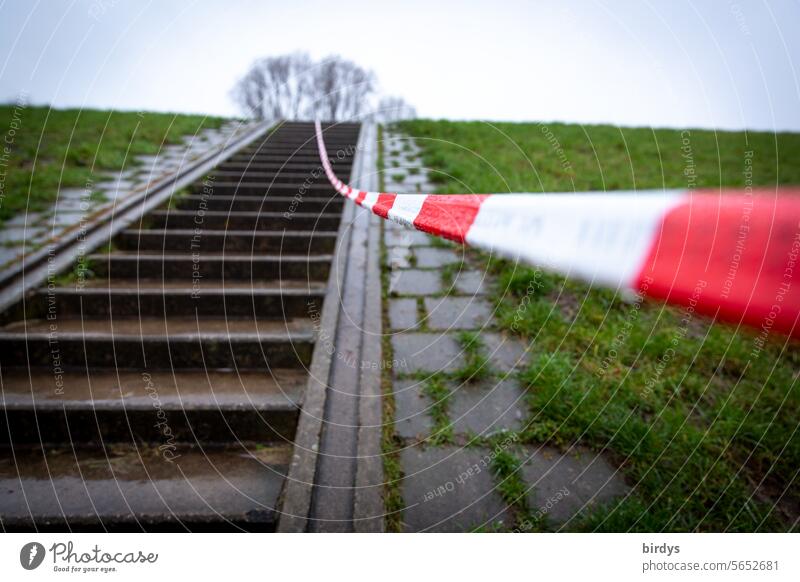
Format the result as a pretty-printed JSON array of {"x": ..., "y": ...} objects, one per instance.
[
  {"x": 309, "y": 500},
  {"x": 296, "y": 502},
  {"x": 369, "y": 510}
]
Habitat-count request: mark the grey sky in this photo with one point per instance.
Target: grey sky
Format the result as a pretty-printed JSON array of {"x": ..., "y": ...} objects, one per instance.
[{"x": 666, "y": 63}]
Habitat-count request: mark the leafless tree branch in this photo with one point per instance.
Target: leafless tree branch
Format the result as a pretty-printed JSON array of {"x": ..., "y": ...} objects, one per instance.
[{"x": 295, "y": 87}]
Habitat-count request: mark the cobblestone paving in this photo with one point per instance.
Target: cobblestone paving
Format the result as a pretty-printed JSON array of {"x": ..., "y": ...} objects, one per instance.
[
  {"x": 458, "y": 406},
  {"x": 27, "y": 232}
]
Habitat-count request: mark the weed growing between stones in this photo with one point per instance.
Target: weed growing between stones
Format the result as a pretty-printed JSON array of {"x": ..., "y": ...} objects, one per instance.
[
  {"x": 390, "y": 442},
  {"x": 476, "y": 363}
]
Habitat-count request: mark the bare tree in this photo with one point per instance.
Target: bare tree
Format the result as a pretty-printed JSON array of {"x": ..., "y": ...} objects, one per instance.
[
  {"x": 342, "y": 89},
  {"x": 392, "y": 109},
  {"x": 293, "y": 87},
  {"x": 276, "y": 87}
]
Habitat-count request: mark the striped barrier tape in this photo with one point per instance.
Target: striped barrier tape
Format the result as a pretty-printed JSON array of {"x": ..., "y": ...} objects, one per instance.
[{"x": 729, "y": 254}]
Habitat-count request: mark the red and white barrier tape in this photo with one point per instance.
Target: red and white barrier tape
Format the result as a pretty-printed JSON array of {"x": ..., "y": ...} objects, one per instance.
[{"x": 729, "y": 254}]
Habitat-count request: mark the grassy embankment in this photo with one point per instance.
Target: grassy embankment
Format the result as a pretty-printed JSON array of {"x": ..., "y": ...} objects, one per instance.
[
  {"x": 48, "y": 149},
  {"x": 704, "y": 431}
]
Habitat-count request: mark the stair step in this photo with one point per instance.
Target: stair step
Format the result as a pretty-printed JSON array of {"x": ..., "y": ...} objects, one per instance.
[
  {"x": 306, "y": 146},
  {"x": 297, "y": 128},
  {"x": 158, "y": 298},
  {"x": 265, "y": 188},
  {"x": 211, "y": 266},
  {"x": 129, "y": 488},
  {"x": 341, "y": 139},
  {"x": 336, "y": 136},
  {"x": 252, "y": 176},
  {"x": 308, "y": 160},
  {"x": 158, "y": 343},
  {"x": 235, "y": 220},
  {"x": 190, "y": 240},
  {"x": 335, "y": 152},
  {"x": 280, "y": 165},
  {"x": 210, "y": 406},
  {"x": 272, "y": 203}
]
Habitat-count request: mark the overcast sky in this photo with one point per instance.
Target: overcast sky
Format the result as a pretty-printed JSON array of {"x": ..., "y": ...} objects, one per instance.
[{"x": 630, "y": 62}]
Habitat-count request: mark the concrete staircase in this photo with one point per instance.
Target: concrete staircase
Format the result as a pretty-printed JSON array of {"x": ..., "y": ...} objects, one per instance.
[{"x": 163, "y": 392}]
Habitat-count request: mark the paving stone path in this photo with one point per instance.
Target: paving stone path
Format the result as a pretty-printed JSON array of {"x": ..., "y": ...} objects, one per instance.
[
  {"x": 457, "y": 404},
  {"x": 27, "y": 232}
]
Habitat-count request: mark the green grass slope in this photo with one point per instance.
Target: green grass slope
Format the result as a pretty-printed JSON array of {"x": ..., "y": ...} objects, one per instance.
[
  {"x": 46, "y": 149},
  {"x": 703, "y": 425}
]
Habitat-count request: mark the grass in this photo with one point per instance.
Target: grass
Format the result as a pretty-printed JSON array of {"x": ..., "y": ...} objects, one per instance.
[
  {"x": 529, "y": 157},
  {"x": 68, "y": 148},
  {"x": 507, "y": 469},
  {"x": 476, "y": 364},
  {"x": 703, "y": 428},
  {"x": 422, "y": 315},
  {"x": 436, "y": 389},
  {"x": 441, "y": 243},
  {"x": 82, "y": 270},
  {"x": 176, "y": 197},
  {"x": 390, "y": 442},
  {"x": 448, "y": 274}
]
